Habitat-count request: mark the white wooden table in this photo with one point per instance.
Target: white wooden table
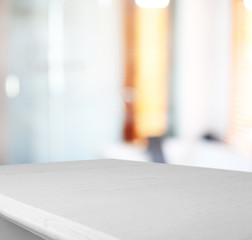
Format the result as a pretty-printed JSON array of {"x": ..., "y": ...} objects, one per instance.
[{"x": 123, "y": 200}]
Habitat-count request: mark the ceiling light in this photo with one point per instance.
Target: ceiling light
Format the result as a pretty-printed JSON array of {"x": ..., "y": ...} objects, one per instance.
[
  {"x": 248, "y": 4},
  {"x": 152, "y": 3}
]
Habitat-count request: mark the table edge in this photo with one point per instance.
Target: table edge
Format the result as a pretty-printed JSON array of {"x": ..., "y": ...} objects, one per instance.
[{"x": 45, "y": 224}]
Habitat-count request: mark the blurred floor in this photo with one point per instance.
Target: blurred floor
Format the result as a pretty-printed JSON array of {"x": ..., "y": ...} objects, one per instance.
[{"x": 181, "y": 152}]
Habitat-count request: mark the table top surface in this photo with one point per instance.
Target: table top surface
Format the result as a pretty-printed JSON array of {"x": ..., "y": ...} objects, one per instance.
[{"x": 125, "y": 200}]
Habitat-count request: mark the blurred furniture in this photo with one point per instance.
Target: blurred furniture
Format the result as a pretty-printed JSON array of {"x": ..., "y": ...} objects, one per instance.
[
  {"x": 202, "y": 153},
  {"x": 113, "y": 199},
  {"x": 155, "y": 150}
]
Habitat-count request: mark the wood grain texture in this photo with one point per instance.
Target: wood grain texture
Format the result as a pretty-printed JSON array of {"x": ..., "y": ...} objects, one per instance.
[{"x": 130, "y": 200}]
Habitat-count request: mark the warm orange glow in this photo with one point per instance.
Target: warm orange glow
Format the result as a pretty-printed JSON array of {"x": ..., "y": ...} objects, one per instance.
[
  {"x": 240, "y": 132},
  {"x": 151, "y": 50}
]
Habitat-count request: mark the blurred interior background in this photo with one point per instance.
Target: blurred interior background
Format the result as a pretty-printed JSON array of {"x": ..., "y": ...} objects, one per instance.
[{"x": 147, "y": 80}]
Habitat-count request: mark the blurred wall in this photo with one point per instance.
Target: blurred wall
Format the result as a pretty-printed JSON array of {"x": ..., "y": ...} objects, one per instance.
[
  {"x": 202, "y": 66},
  {"x": 27, "y": 60},
  {"x": 4, "y": 29},
  {"x": 68, "y": 58},
  {"x": 94, "y": 53}
]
